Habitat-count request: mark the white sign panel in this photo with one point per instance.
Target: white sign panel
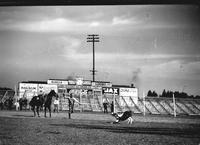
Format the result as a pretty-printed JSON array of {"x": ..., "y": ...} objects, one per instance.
[
  {"x": 110, "y": 91},
  {"x": 46, "y": 88},
  {"x": 130, "y": 95},
  {"x": 27, "y": 87},
  {"x": 28, "y": 90},
  {"x": 133, "y": 92},
  {"x": 79, "y": 81},
  {"x": 57, "y": 82}
]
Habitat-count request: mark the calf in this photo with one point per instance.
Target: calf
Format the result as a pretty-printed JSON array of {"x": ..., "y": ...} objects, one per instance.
[{"x": 127, "y": 115}]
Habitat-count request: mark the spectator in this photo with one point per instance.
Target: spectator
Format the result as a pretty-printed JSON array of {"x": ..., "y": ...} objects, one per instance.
[
  {"x": 10, "y": 103},
  {"x": 25, "y": 103},
  {"x": 71, "y": 100},
  {"x": 17, "y": 105},
  {"x": 1, "y": 105},
  {"x": 105, "y": 106},
  {"x": 112, "y": 107},
  {"x": 20, "y": 104},
  {"x": 56, "y": 105}
]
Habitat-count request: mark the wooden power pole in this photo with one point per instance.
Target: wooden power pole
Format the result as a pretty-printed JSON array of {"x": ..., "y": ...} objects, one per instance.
[{"x": 93, "y": 38}]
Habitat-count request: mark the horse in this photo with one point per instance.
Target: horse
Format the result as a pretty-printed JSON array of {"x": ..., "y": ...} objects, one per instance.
[
  {"x": 42, "y": 100},
  {"x": 23, "y": 103},
  {"x": 36, "y": 101},
  {"x": 48, "y": 101}
]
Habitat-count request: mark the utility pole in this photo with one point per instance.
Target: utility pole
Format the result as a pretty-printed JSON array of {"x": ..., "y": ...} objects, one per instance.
[{"x": 93, "y": 38}]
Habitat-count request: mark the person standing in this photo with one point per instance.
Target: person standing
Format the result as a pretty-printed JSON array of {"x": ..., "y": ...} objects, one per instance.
[
  {"x": 20, "y": 104},
  {"x": 56, "y": 105},
  {"x": 71, "y": 101},
  {"x": 105, "y": 106},
  {"x": 112, "y": 107},
  {"x": 17, "y": 105}
]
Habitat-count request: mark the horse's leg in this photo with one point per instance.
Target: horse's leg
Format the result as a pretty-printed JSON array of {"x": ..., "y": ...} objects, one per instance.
[
  {"x": 37, "y": 109},
  {"x": 45, "y": 110},
  {"x": 49, "y": 111},
  {"x": 33, "y": 109}
]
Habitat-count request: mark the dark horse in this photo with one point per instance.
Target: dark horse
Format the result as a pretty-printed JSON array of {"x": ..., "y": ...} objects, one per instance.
[{"x": 42, "y": 100}]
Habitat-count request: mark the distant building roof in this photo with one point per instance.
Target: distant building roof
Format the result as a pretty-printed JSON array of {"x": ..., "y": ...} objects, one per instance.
[
  {"x": 35, "y": 82},
  {"x": 122, "y": 86},
  {"x": 83, "y": 79}
]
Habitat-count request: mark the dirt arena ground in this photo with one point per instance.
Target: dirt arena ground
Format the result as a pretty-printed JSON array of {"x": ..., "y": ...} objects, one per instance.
[{"x": 20, "y": 128}]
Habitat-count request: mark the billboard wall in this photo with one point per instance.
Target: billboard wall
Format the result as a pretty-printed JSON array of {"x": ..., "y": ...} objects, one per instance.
[{"x": 27, "y": 90}]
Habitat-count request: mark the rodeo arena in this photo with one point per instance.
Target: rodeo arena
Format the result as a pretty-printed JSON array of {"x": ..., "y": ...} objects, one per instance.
[
  {"x": 100, "y": 113},
  {"x": 100, "y": 96}
]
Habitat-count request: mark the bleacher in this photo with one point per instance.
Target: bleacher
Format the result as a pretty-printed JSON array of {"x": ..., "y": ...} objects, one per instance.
[
  {"x": 153, "y": 105},
  {"x": 158, "y": 106}
]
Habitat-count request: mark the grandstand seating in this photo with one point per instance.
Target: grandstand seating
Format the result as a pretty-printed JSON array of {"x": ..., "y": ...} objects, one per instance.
[{"x": 158, "y": 106}]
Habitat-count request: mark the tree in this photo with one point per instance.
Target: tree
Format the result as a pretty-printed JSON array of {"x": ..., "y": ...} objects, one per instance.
[
  {"x": 154, "y": 94},
  {"x": 163, "y": 93},
  {"x": 149, "y": 94}
]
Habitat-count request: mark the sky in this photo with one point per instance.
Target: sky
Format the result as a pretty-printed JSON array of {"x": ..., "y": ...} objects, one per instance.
[{"x": 155, "y": 47}]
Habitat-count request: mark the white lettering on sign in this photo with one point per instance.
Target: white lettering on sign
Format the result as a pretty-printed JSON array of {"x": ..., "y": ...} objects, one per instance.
[
  {"x": 71, "y": 82},
  {"x": 27, "y": 87},
  {"x": 87, "y": 83},
  {"x": 110, "y": 90}
]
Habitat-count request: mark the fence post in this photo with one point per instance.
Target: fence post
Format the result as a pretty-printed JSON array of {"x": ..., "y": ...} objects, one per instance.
[
  {"x": 4, "y": 97},
  {"x": 80, "y": 95},
  {"x": 114, "y": 104},
  {"x": 174, "y": 103},
  {"x": 143, "y": 96}
]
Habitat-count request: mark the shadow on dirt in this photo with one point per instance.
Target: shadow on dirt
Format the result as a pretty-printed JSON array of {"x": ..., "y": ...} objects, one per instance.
[
  {"x": 191, "y": 133},
  {"x": 23, "y": 115}
]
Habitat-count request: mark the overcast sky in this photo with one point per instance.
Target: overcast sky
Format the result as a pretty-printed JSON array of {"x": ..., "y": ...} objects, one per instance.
[{"x": 155, "y": 47}]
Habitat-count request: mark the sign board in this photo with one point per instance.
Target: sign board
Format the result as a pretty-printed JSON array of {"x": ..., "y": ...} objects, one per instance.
[
  {"x": 57, "y": 82},
  {"x": 109, "y": 90},
  {"x": 79, "y": 81},
  {"x": 128, "y": 92},
  {"x": 28, "y": 90},
  {"x": 129, "y": 95},
  {"x": 27, "y": 87},
  {"x": 46, "y": 88},
  {"x": 71, "y": 82},
  {"x": 87, "y": 83},
  {"x": 102, "y": 84}
]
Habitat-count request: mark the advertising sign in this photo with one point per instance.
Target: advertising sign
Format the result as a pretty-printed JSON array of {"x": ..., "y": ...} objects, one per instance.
[
  {"x": 129, "y": 95},
  {"x": 102, "y": 84},
  {"x": 87, "y": 83},
  {"x": 57, "y": 82},
  {"x": 72, "y": 82},
  {"x": 79, "y": 81},
  {"x": 27, "y": 87},
  {"x": 108, "y": 90},
  {"x": 129, "y": 92},
  {"x": 28, "y": 90}
]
